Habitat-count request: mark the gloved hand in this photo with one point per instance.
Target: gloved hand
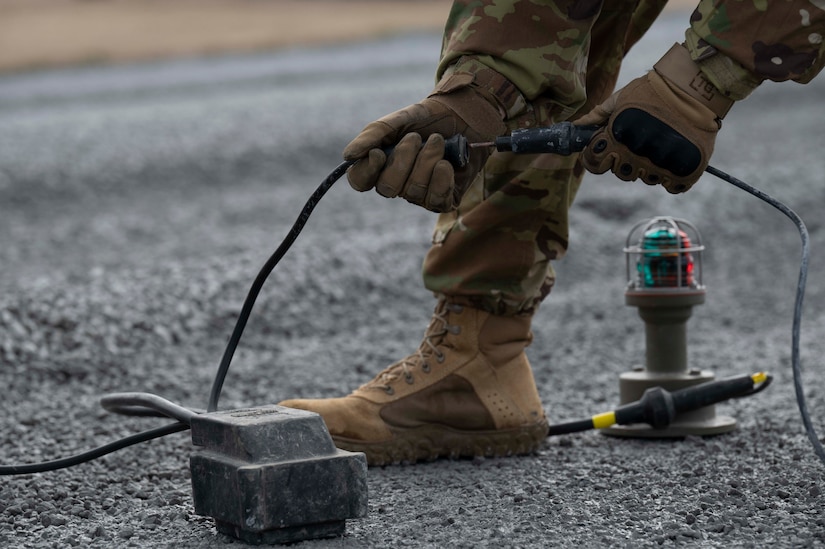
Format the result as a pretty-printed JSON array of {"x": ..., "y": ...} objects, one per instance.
[
  {"x": 660, "y": 127},
  {"x": 419, "y": 173}
]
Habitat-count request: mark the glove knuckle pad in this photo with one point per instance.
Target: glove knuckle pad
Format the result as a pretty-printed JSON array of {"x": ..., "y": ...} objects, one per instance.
[{"x": 648, "y": 137}]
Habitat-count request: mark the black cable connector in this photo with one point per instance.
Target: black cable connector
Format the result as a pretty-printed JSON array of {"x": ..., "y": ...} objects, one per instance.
[
  {"x": 564, "y": 138},
  {"x": 659, "y": 407}
]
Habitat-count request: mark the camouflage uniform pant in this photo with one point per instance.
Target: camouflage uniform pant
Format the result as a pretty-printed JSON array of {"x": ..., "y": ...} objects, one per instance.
[{"x": 495, "y": 251}]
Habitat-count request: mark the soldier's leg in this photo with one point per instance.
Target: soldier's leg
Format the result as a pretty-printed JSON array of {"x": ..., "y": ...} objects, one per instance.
[
  {"x": 494, "y": 253},
  {"x": 468, "y": 389}
]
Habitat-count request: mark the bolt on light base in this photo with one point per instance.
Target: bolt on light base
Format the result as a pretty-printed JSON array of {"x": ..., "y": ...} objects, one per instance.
[{"x": 664, "y": 272}]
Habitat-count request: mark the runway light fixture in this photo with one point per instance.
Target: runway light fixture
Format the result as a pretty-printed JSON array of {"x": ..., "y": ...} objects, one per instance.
[{"x": 664, "y": 281}]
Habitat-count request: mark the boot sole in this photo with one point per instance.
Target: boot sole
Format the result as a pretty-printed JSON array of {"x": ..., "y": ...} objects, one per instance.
[{"x": 431, "y": 442}]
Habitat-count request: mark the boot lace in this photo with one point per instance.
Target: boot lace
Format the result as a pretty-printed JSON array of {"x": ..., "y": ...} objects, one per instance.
[{"x": 431, "y": 347}]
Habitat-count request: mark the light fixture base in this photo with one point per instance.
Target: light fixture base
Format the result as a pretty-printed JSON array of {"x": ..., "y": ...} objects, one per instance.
[{"x": 701, "y": 422}]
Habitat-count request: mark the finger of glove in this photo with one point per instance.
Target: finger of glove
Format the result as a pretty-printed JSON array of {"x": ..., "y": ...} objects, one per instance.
[
  {"x": 652, "y": 175},
  {"x": 393, "y": 178},
  {"x": 389, "y": 129},
  {"x": 606, "y": 154},
  {"x": 600, "y": 114},
  {"x": 375, "y": 135},
  {"x": 650, "y": 178},
  {"x": 363, "y": 174},
  {"x": 626, "y": 169},
  {"x": 598, "y": 156},
  {"x": 441, "y": 196},
  {"x": 418, "y": 181},
  {"x": 677, "y": 186}
]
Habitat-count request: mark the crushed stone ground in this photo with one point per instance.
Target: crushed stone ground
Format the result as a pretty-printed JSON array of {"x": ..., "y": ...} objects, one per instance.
[{"x": 134, "y": 219}]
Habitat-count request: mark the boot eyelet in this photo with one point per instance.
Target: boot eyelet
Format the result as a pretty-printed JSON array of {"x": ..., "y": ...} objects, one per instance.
[
  {"x": 409, "y": 379},
  {"x": 425, "y": 368},
  {"x": 440, "y": 357},
  {"x": 389, "y": 390},
  {"x": 455, "y": 330}
]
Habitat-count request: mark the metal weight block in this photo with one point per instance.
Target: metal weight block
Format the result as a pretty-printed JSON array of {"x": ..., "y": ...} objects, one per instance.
[{"x": 272, "y": 474}]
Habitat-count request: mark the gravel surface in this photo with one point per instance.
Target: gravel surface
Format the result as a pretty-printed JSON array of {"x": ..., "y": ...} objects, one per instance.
[{"x": 137, "y": 204}]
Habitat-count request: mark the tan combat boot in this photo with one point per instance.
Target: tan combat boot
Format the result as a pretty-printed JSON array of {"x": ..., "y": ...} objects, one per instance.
[{"x": 468, "y": 391}]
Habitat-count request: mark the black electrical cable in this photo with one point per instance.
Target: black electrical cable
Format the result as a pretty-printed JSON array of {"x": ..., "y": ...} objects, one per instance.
[
  {"x": 147, "y": 404},
  {"x": 800, "y": 295},
  {"x": 263, "y": 274},
  {"x": 143, "y": 404},
  {"x": 455, "y": 150},
  {"x": 101, "y": 451},
  {"x": 587, "y": 424},
  {"x": 342, "y": 168}
]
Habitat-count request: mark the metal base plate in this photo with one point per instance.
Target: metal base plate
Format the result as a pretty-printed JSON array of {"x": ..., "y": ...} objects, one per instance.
[
  {"x": 701, "y": 422},
  {"x": 678, "y": 429}
]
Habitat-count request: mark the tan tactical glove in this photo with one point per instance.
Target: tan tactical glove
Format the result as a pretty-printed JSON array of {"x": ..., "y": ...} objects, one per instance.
[
  {"x": 419, "y": 173},
  {"x": 660, "y": 127}
]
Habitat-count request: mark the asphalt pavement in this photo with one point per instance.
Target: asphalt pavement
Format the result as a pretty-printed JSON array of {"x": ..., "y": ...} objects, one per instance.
[{"x": 138, "y": 202}]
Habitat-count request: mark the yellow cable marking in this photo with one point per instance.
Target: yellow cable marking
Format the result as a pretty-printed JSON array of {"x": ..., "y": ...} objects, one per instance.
[
  {"x": 600, "y": 421},
  {"x": 759, "y": 377}
]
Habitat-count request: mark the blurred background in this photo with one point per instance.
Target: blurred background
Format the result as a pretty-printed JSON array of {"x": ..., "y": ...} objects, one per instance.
[{"x": 47, "y": 33}]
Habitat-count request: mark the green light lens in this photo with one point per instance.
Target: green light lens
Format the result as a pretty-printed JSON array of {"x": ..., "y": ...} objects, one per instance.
[{"x": 661, "y": 264}]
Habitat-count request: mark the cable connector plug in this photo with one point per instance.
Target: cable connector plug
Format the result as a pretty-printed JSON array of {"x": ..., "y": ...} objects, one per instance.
[
  {"x": 659, "y": 407},
  {"x": 564, "y": 138}
]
